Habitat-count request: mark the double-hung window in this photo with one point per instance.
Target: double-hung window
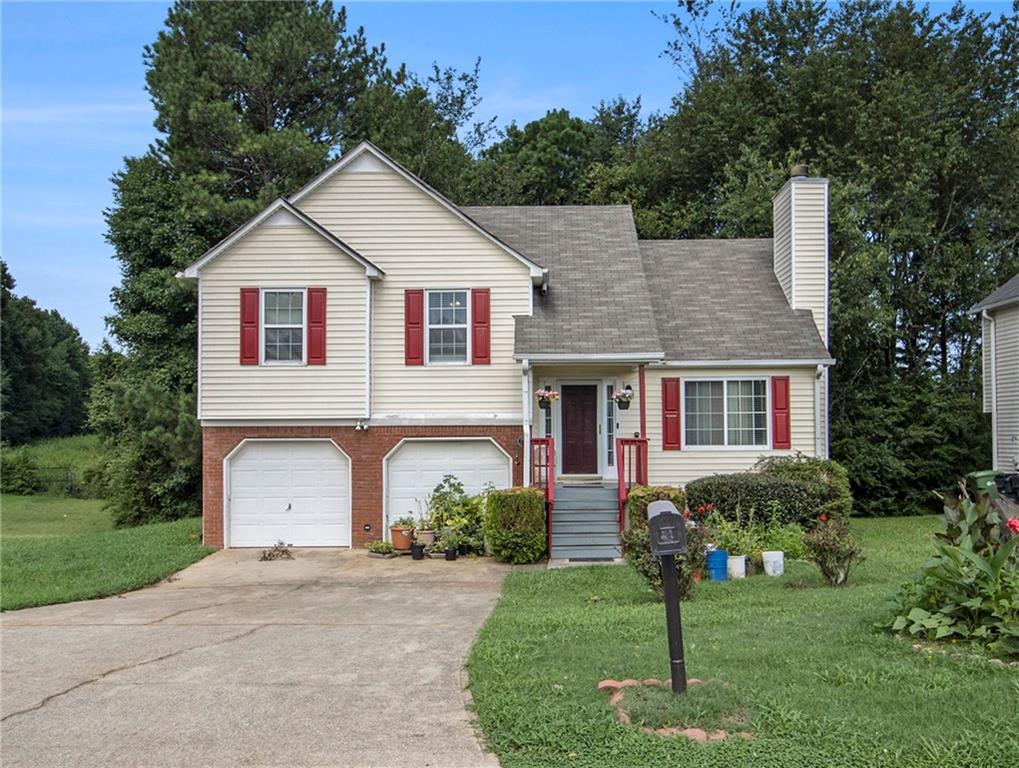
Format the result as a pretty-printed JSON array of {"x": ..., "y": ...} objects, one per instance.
[
  {"x": 448, "y": 327},
  {"x": 727, "y": 412},
  {"x": 283, "y": 318}
]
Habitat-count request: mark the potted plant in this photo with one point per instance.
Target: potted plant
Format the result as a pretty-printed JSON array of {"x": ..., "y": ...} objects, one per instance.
[
  {"x": 380, "y": 548},
  {"x": 450, "y": 545},
  {"x": 401, "y": 533},
  {"x": 546, "y": 396},
  {"x": 436, "y": 550},
  {"x": 622, "y": 397},
  {"x": 424, "y": 533}
]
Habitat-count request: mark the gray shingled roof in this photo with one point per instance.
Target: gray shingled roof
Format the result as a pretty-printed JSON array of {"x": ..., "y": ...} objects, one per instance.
[
  {"x": 597, "y": 299},
  {"x": 612, "y": 294},
  {"x": 720, "y": 300},
  {"x": 1006, "y": 294}
]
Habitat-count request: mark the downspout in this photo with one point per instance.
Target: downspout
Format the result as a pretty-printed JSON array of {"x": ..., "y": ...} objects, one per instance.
[
  {"x": 818, "y": 445},
  {"x": 526, "y": 378},
  {"x": 994, "y": 389},
  {"x": 643, "y": 400}
]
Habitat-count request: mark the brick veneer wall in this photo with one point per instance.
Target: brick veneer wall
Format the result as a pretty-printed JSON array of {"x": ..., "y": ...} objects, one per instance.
[{"x": 366, "y": 450}]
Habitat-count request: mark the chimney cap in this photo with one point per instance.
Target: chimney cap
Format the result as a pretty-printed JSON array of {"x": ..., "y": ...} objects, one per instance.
[{"x": 800, "y": 169}]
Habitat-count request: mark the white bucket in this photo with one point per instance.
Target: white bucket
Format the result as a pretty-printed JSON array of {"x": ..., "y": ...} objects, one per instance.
[
  {"x": 737, "y": 567},
  {"x": 774, "y": 563}
]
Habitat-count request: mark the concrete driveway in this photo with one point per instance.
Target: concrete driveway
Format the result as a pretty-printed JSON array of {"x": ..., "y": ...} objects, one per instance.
[{"x": 331, "y": 659}]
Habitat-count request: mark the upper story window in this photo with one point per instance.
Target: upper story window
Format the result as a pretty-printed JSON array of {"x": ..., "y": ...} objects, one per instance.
[
  {"x": 283, "y": 318},
  {"x": 447, "y": 327},
  {"x": 729, "y": 412}
]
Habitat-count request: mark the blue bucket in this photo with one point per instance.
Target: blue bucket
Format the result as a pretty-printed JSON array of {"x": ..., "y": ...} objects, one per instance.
[{"x": 718, "y": 564}]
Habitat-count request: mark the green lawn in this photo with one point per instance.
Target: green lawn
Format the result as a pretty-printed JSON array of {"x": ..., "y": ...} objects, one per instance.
[
  {"x": 54, "y": 549},
  {"x": 820, "y": 685}
]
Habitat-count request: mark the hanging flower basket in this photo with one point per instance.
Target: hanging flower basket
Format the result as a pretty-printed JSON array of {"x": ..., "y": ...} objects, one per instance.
[
  {"x": 622, "y": 398},
  {"x": 546, "y": 397}
]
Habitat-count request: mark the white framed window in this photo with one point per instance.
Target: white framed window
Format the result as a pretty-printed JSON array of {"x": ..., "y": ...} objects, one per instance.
[
  {"x": 283, "y": 335},
  {"x": 447, "y": 321},
  {"x": 725, "y": 413}
]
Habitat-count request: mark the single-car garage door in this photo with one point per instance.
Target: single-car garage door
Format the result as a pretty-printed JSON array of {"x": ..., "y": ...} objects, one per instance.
[
  {"x": 417, "y": 466},
  {"x": 296, "y": 491}
]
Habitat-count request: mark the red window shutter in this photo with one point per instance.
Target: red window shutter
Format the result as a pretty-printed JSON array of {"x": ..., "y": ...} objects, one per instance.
[
  {"x": 414, "y": 327},
  {"x": 316, "y": 326},
  {"x": 481, "y": 326},
  {"x": 670, "y": 415},
  {"x": 780, "y": 434},
  {"x": 249, "y": 326}
]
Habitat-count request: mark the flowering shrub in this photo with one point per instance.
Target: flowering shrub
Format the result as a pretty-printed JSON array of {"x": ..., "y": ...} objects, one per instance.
[
  {"x": 970, "y": 589},
  {"x": 831, "y": 548}
]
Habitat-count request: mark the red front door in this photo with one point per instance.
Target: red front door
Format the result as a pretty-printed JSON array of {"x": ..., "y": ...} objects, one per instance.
[{"x": 580, "y": 429}]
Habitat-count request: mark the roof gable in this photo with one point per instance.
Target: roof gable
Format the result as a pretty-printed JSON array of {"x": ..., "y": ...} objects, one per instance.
[
  {"x": 366, "y": 157},
  {"x": 1005, "y": 295},
  {"x": 276, "y": 213}
]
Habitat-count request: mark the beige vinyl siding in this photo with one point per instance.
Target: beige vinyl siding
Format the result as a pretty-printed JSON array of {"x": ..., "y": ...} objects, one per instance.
[
  {"x": 986, "y": 350},
  {"x": 421, "y": 244},
  {"x": 283, "y": 256},
  {"x": 1006, "y": 399},
  {"x": 810, "y": 241},
  {"x": 783, "y": 254},
  {"x": 680, "y": 467}
]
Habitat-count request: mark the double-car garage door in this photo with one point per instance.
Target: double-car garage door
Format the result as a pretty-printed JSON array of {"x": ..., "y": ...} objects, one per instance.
[{"x": 298, "y": 491}]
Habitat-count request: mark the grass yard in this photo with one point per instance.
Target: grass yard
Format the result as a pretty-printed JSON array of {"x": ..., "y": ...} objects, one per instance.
[
  {"x": 77, "y": 452},
  {"x": 56, "y": 549},
  {"x": 821, "y": 686}
]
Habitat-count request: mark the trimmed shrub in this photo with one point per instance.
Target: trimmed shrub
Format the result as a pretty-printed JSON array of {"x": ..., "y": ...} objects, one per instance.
[
  {"x": 638, "y": 542},
  {"x": 18, "y": 472},
  {"x": 796, "y": 489},
  {"x": 515, "y": 524}
]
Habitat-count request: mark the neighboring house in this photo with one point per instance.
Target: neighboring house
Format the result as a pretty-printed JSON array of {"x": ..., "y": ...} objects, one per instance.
[
  {"x": 999, "y": 314},
  {"x": 365, "y": 337}
]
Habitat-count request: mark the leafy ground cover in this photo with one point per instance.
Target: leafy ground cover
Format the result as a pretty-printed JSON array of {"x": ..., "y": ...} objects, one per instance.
[
  {"x": 54, "y": 550},
  {"x": 821, "y": 685}
]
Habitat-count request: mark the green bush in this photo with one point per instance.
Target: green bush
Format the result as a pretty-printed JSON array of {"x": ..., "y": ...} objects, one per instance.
[
  {"x": 638, "y": 542},
  {"x": 746, "y": 535},
  {"x": 18, "y": 472},
  {"x": 515, "y": 524},
  {"x": 969, "y": 591},
  {"x": 798, "y": 489},
  {"x": 830, "y": 546},
  {"x": 451, "y": 510}
]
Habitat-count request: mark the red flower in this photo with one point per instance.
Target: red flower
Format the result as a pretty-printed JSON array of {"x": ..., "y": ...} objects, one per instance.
[
  {"x": 700, "y": 510},
  {"x": 710, "y": 507},
  {"x": 823, "y": 518},
  {"x": 1013, "y": 524},
  {"x": 686, "y": 514}
]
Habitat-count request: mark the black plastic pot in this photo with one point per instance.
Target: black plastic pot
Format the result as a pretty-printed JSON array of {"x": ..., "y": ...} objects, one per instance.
[
  {"x": 417, "y": 551},
  {"x": 451, "y": 554},
  {"x": 464, "y": 549},
  {"x": 623, "y": 404}
]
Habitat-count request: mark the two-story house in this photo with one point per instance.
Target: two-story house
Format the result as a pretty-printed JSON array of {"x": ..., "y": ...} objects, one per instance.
[
  {"x": 365, "y": 337},
  {"x": 999, "y": 314}
]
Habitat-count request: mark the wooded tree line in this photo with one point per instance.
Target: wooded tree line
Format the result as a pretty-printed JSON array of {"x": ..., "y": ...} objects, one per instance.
[{"x": 911, "y": 115}]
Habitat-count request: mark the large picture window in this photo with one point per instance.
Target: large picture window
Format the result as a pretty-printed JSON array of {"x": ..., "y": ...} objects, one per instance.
[
  {"x": 283, "y": 326},
  {"x": 730, "y": 413},
  {"x": 447, "y": 327}
]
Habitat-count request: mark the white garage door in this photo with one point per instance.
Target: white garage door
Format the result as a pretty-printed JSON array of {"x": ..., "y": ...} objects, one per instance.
[
  {"x": 297, "y": 491},
  {"x": 418, "y": 466}
]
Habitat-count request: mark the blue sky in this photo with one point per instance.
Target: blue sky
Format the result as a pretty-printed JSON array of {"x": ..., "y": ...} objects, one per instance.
[{"x": 74, "y": 105}]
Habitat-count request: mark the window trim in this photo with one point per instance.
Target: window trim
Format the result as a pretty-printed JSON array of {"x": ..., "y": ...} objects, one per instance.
[
  {"x": 428, "y": 329},
  {"x": 304, "y": 328},
  {"x": 766, "y": 445}
]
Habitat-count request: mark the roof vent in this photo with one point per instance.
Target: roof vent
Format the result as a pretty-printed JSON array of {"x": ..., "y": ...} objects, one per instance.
[{"x": 800, "y": 169}]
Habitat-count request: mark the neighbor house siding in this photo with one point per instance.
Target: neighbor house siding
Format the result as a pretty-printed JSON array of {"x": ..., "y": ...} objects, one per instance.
[
  {"x": 810, "y": 241},
  {"x": 986, "y": 352},
  {"x": 782, "y": 244},
  {"x": 680, "y": 467},
  {"x": 421, "y": 244},
  {"x": 283, "y": 256},
  {"x": 1006, "y": 348}
]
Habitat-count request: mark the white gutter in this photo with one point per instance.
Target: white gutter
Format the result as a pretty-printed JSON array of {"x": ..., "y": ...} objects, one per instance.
[
  {"x": 994, "y": 388},
  {"x": 745, "y": 363},
  {"x": 526, "y": 384}
]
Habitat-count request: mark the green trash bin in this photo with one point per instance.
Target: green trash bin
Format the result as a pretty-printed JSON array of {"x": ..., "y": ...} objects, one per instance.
[{"x": 983, "y": 482}]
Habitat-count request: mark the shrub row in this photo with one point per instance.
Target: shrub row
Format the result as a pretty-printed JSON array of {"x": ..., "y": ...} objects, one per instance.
[
  {"x": 515, "y": 524},
  {"x": 794, "y": 489},
  {"x": 638, "y": 542}
]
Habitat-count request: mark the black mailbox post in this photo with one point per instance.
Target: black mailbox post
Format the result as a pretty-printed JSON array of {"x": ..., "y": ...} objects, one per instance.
[{"x": 667, "y": 530}]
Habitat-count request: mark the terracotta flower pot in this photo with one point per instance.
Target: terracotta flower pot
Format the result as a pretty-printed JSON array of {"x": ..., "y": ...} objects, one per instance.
[{"x": 402, "y": 538}]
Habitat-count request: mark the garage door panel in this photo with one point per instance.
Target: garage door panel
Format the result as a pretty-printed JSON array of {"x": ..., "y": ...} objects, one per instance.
[
  {"x": 418, "y": 466},
  {"x": 294, "y": 491}
]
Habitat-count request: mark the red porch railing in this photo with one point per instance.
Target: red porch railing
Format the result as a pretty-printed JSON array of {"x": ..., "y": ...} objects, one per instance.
[
  {"x": 631, "y": 469},
  {"x": 543, "y": 476}
]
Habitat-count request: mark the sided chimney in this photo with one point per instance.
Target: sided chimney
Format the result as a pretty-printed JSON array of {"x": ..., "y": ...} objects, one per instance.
[{"x": 800, "y": 211}]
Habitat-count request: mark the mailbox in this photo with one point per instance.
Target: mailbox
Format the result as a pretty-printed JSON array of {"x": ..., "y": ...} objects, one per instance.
[{"x": 667, "y": 529}]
